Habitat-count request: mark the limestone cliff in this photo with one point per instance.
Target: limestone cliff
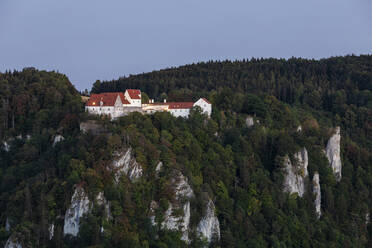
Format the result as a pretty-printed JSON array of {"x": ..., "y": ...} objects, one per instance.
[
  {"x": 333, "y": 153},
  {"x": 6, "y": 146},
  {"x": 12, "y": 242},
  {"x": 101, "y": 201},
  {"x": 317, "y": 193},
  {"x": 209, "y": 226},
  {"x": 295, "y": 173},
  {"x": 158, "y": 168},
  {"x": 172, "y": 221},
  {"x": 299, "y": 128},
  {"x": 79, "y": 206},
  {"x": 249, "y": 121},
  {"x": 126, "y": 164},
  {"x": 7, "y": 224},
  {"x": 57, "y": 138},
  {"x": 51, "y": 231}
]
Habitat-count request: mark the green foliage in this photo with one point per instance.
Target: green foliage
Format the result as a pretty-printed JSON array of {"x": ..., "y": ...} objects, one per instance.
[{"x": 239, "y": 167}]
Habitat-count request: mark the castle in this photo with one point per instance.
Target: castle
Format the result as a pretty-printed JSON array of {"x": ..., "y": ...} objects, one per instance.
[{"x": 116, "y": 104}]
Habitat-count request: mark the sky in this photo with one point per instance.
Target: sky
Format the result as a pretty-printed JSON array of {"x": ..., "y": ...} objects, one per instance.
[{"x": 91, "y": 40}]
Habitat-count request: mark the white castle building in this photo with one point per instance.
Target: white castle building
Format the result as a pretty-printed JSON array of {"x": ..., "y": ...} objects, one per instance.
[{"x": 116, "y": 104}]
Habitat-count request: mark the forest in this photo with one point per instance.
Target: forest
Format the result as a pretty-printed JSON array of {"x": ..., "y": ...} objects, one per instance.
[{"x": 238, "y": 166}]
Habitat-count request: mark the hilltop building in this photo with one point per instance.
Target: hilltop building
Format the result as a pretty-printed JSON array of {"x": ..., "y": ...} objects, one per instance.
[{"x": 116, "y": 104}]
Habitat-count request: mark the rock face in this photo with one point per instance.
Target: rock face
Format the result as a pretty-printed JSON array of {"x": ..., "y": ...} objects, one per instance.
[
  {"x": 333, "y": 153},
  {"x": 7, "y": 225},
  {"x": 12, "y": 243},
  {"x": 317, "y": 193},
  {"x": 173, "y": 221},
  {"x": 51, "y": 231},
  {"x": 296, "y": 173},
  {"x": 249, "y": 121},
  {"x": 158, "y": 167},
  {"x": 153, "y": 206},
  {"x": 6, "y": 146},
  {"x": 367, "y": 219},
  {"x": 126, "y": 164},
  {"x": 209, "y": 226},
  {"x": 79, "y": 206},
  {"x": 101, "y": 201},
  {"x": 57, "y": 139},
  {"x": 91, "y": 126}
]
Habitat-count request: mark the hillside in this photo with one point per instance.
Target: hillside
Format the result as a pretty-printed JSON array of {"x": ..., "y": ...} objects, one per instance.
[{"x": 270, "y": 168}]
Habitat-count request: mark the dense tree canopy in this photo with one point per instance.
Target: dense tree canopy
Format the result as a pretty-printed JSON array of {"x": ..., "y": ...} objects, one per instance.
[{"x": 239, "y": 167}]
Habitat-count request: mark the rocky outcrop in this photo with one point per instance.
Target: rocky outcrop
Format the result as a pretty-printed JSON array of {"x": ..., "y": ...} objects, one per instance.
[
  {"x": 126, "y": 164},
  {"x": 333, "y": 153},
  {"x": 12, "y": 242},
  {"x": 101, "y": 201},
  {"x": 296, "y": 173},
  {"x": 7, "y": 225},
  {"x": 91, "y": 126},
  {"x": 367, "y": 219},
  {"x": 158, "y": 167},
  {"x": 317, "y": 193},
  {"x": 209, "y": 226},
  {"x": 299, "y": 128},
  {"x": 183, "y": 191},
  {"x": 6, "y": 146},
  {"x": 249, "y": 121},
  {"x": 172, "y": 219},
  {"x": 79, "y": 206},
  {"x": 51, "y": 231},
  {"x": 58, "y": 138},
  {"x": 153, "y": 206}
]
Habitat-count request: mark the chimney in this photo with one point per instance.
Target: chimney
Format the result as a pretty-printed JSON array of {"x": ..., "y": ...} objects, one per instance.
[{"x": 165, "y": 100}]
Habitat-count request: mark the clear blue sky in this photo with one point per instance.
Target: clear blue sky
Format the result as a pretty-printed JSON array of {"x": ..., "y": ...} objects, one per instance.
[{"x": 96, "y": 39}]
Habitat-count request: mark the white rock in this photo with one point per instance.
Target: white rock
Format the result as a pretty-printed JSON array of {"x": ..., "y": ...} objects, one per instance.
[
  {"x": 317, "y": 193},
  {"x": 181, "y": 223},
  {"x": 12, "y": 243},
  {"x": 7, "y": 225},
  {"x": 6, "y": 146},
  {"x": 127, "y": 164},
  {"x": 58, "y": 138},
  {"x": 51, "y": 231},
  {"x": 153, "y": 206},
  {"x": 367, "y": 219},
  {"x": 333, "y": 153},
  {"x": 182, "y": 188},
  {"x": 209, "y": 226},
  {"x": 295, "y": 174},
  {"x": 158, "y": 167},
  {"x": 101, "y": 200},
  {"x": 183, "y": 193},
  {"x": 79, "y": 206},
  {"x": 249, "y": 121}
]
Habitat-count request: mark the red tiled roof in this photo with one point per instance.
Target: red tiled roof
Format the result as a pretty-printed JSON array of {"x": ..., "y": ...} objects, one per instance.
[
  {"x": 180, "y": 105},
  {"x": 134, "y": 94},
  {"x": 107, "y": 98},
  {"x": 205, "y": 99}
]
